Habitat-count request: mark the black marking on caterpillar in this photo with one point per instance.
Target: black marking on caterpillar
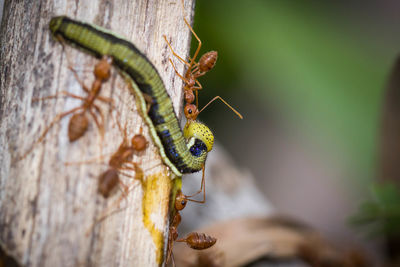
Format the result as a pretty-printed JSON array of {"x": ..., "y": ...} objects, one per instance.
[{"x": 183, "y": 152}]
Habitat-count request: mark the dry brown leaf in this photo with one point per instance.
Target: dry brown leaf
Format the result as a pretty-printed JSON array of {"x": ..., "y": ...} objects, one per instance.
[{"x": 243, "y": 241}]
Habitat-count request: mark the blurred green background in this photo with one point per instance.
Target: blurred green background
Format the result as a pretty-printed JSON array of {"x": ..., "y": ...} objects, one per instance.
[{"x": 309, "y": 79}]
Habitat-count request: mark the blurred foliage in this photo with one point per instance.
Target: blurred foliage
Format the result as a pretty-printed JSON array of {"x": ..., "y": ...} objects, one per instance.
[
  {"x": 319, "y": 66},
  {"x": 381, "y": 213}
]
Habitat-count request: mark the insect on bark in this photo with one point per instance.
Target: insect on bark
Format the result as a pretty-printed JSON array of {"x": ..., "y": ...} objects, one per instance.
[
  {"x": 193, "y": 72},
  {"x": 121, "y": 161},
  {"x": 78, "y": 123},
  {"x": 119, "y": 164},
  {"x": 180, "y": 152},
  {"x": 194, "y": 240}
]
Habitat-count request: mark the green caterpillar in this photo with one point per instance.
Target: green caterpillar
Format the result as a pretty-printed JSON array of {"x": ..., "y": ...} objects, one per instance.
[{"x": 183, "y": 152}]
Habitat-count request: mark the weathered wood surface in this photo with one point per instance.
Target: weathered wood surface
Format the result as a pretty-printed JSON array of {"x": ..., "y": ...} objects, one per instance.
[{"x": 47, "y": 209}]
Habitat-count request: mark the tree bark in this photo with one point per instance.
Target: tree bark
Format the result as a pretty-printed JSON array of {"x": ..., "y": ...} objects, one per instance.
[{"x": 50, "y": 211}]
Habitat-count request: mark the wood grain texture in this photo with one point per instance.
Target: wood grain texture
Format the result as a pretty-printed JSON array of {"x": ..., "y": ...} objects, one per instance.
[{"x": 47, "y": 209}]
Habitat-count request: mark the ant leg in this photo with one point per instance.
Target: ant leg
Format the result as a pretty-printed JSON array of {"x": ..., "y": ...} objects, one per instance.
[
  {"x": 86, "y": 89},
  {"x": 177, "y": 73},
  {"x": 113, "y": 107},
  {"x": 107, "y": 100},
  {"x": 197, "y": 73},
  {"x": 181, "y": 240},
  {"x": 99, "y": 126},
  {"x": 173, "y": 260},
  {"x": 123, "y": 131},
  {"x": 125, "y": 174},
  {"x": 62, "y": 93},
  {"x": 98, "y": 110},
  {"x": 43, "y": 135},
  {"x": 135, "y": 167},
  {"x": 149, "y": 101},
  {"x": 124, "y": 189},
  {"x": 117, "y": 117},
  {"x": 202, "y": 188},
  {"x": 62, "y": 41},
  {"x": 128, "y": 168},
  {"x": 192, "y": 61},
  {"x": 195, "y": 64},
  {"x": 90, "y": 161},
  {"x": 174, "y": 53},
  {"x": 107, "y": 214},
  {"x": 148, "y": 98},
  {"x": 169, "y": 252},
  {"x": 197, "y": 88},
  {"x": 197, "y": 99},
  {"x": 56, "y": 119}
]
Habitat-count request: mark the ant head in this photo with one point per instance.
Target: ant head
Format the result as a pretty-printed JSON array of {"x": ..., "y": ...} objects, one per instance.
[
  {"x": 102, "y": 68},
  {"x": 180, "y": 201},
  {"x": 139, "y": 142},
  {"x": 191, "y": 111}
]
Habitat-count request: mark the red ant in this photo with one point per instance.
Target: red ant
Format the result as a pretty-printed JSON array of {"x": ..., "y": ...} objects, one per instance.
[
  {"x": 120, "y": 161},
  {"x": 78, "y": 123},
  {"x": 193, "y": 72},
  {"x": 109, "y": 179},
  {"x": 194, "y": 240},
  {"x": 191, "y": 83}
]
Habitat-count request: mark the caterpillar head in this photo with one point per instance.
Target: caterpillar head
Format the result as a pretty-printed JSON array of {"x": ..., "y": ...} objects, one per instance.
[
  {"x": 55, "y": 24},
  {"x": 201, "y": 135}
]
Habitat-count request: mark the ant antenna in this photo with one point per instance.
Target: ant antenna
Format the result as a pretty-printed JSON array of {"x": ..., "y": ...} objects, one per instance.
[{"x": 220, "y": 98}]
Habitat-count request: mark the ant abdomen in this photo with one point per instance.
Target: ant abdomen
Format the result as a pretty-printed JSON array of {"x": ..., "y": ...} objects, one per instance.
[
  {"x": 198, "y": 241},
  {"x": 77, "y": 126},
  {"x": 108, "y": 180},
  {"x": 207, "y": 61}
]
